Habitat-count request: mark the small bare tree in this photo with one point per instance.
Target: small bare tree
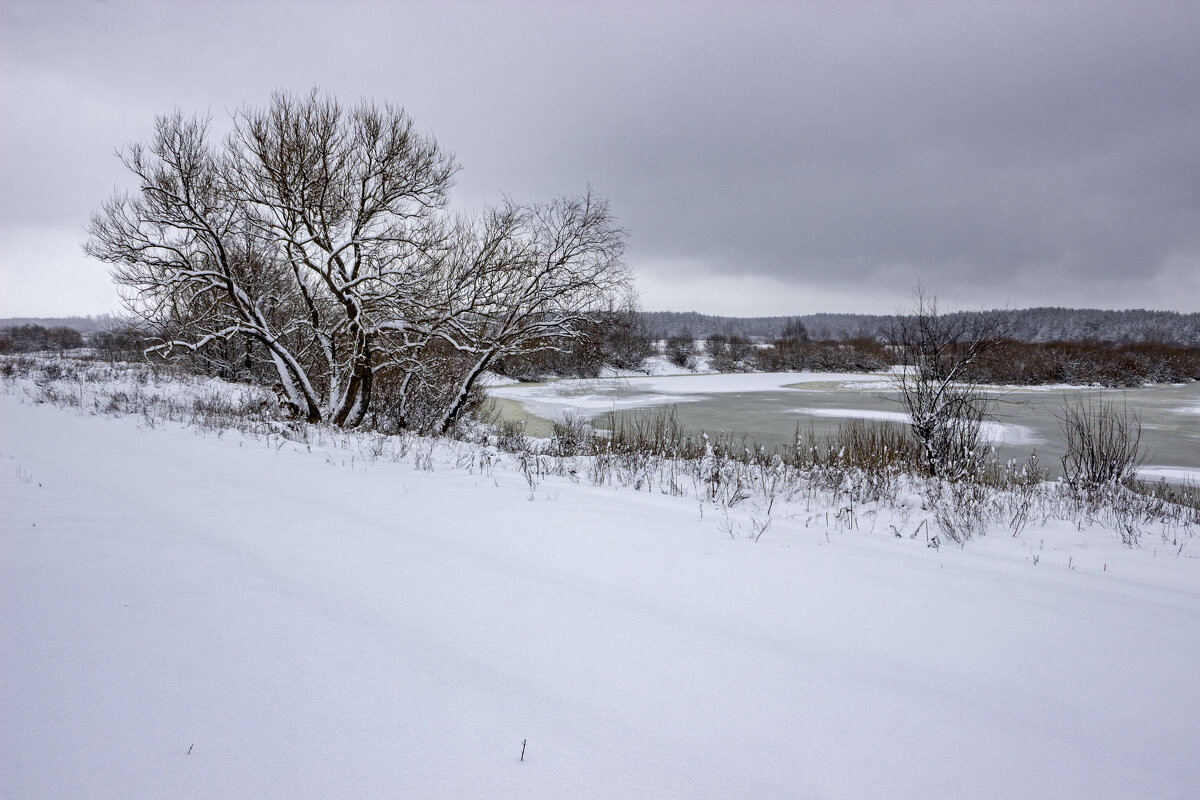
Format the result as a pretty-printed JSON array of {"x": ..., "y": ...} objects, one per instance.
[{"x": 946, "y": 409}]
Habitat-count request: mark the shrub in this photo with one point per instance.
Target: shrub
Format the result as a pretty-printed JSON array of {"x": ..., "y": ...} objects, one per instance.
[
  {"x": 1103, "y": 442},
  {"x": 35, "y": 338},
  {"x": 681, "y": 349},
  {"x": 947, "y": 410}
]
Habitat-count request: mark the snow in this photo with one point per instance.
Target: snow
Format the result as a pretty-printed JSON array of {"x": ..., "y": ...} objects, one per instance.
[
  {"x": 1177, "y": 474},
  {"x": 553, "y": 399},
  {"x": 995, "y": 432},
  {"x": 703, "y": 384},
  {"x": 726, "y": 383},
  {"x": 666, "y": 385},
  {"x": 660, "y": 366},
  {"x": 203, "y": 615}
]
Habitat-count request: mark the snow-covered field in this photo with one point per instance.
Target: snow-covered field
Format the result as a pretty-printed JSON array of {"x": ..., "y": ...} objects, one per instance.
[{"x": 195, "y": 614}]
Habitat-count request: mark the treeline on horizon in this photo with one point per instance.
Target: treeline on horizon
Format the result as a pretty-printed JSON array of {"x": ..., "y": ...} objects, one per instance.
[
  {"x": 1045, "y": 324},
  {"x": 84, "y": 325},
  {"x": 1041, "y": 346},
  {"x": 1042, "y": 324},
  {"x": 30, "y": 338}
]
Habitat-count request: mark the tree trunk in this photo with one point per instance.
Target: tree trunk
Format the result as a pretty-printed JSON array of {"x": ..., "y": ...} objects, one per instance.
[{"x": 464, "y": 392}]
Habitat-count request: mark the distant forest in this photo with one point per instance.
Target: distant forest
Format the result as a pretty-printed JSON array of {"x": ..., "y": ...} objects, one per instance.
[
  {"x": 84, "y": 325},
  {"x": 1026, "y": 325},
  {"x": 1044, "y": 346}
]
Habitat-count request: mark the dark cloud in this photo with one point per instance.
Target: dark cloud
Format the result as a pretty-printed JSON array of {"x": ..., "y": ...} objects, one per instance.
[{"x": 772, "y": 156}]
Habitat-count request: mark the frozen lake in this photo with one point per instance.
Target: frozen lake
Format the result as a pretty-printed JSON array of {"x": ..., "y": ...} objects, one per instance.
[{"x": 767, "y": 407}]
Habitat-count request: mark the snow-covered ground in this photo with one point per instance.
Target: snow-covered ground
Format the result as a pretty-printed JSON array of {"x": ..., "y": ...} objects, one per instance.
[{"x": 190, "y": 614}]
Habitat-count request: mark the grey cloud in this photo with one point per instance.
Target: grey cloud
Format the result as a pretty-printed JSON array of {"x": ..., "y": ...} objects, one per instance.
[
  {"x": 1009, "y": 149},
  {"x": 988, "y": 147}
]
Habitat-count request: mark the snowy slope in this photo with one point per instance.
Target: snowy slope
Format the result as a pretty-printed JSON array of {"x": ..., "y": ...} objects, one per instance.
[{"x": 309, "y": 624}]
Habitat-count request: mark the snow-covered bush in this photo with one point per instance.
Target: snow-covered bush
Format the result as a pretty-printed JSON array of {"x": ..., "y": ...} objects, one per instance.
[
  {"x": 680, "y": 350},
  {"x": 947, "y": 410}
]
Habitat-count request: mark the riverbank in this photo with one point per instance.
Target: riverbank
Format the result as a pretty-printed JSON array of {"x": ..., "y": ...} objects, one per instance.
[{"x": 769, "y": 409}]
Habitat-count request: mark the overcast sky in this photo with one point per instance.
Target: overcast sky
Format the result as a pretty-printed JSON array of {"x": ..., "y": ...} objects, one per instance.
[{"x": 765, "y": 158}]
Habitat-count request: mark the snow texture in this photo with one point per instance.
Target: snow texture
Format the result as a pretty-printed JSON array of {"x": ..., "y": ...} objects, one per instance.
[{"x": 187, "y": 615}]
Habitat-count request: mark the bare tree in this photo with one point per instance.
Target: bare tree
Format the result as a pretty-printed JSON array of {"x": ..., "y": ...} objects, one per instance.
[
  {"x": 794, "y": 330},
  {"x": 528, "y": 278},
  {"x": 680, "y": 349},
  {"x": 946, "y": 409},
  {"x": 320, "y": 233},
  {"x": 625, "y": 341}
]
